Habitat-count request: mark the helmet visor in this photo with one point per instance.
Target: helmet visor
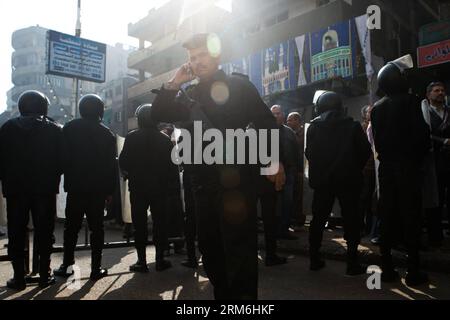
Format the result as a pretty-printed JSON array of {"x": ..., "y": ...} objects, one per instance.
[{"x": 317, "y": 96}]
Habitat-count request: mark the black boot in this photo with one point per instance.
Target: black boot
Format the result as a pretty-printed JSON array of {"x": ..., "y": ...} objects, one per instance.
[
  {"x": 389, "y": 274},
  {"x": 45, "y": 280},
  {"x": 161, "y": 263},
  {"x": 190, "y": 263},
  {"x": 18, "y": 282},
  {"x": 141, "y": 265},
  {"x": 354, "y": 268},
  {"x": 274, "y": 260},
  {"x": 416, "y": 278},
  {"x": 62, "y": 271},
  {"x": 17, "y": 285},
  {"x": 316, "y": 263},
  {"x": 97, "y": 272}
]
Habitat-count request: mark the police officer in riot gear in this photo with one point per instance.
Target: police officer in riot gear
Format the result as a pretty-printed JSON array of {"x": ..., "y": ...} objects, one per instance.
[
  {"x": 146, "y": 162},
  {"x": 337, "y": 150},
  {"x": 90, "y": 176},
  {"x": 402, "y": 139},
  {"x": 30, "y": 169},
  {"x": 224, "y": 194}
]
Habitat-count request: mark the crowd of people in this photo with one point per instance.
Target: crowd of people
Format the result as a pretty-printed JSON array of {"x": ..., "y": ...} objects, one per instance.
[{"x": 385, "y": 174}]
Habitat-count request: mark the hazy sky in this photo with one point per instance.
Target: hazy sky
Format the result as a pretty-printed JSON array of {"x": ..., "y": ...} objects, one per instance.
[{"x": 102, "y": 20}]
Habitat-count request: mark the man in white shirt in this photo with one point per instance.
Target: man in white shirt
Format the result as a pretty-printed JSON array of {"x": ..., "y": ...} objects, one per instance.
[{"x": 439, "y": 120}]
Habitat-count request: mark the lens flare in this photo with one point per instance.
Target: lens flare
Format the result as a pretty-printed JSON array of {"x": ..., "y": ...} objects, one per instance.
[
  {"x": 214, "y": 45},
  {"x": 220, "y": 92}
]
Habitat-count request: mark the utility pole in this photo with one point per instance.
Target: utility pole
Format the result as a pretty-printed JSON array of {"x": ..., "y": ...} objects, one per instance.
[{"x": 76, "y": 85}]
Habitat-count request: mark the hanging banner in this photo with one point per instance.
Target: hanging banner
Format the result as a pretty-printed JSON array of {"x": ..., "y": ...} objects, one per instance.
[
  {"x": 365, "y": 40},
  {"x": 332, "y": 54},
  {"x": 300, "y": 42},
  {"x": 275, "y": 75},
  {"x": 323, "y": 55}
]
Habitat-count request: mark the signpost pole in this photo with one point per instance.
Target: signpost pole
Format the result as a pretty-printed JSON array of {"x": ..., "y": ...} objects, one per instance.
[{"x": 76, "y": 85}]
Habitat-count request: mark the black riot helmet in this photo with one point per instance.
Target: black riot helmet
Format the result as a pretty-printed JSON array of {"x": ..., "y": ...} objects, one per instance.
[
  {"x": 392, "y": 78},
  {"x": 327, "y": 101},
  {"x": 92, "y": 107},
  {"x": 144, "y": 117},
  {"x": 32, "y": 103}
]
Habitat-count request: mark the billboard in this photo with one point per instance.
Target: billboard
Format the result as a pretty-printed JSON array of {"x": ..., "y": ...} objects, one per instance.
[
  {"x": 74, "y": 57},
  {"x": 434, "y": 54},
  {"x": 332, "y": 54},
  {"x": 316, "y": 56}
]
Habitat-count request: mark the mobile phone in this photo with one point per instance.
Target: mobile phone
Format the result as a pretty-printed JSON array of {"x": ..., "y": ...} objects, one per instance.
[{"x": 190, "y": 71}]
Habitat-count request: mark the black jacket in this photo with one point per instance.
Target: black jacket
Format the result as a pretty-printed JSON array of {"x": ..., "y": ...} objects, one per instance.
[
  {"x": 146, "y": 161},
  {"x": 440, "y": 131},
  {"x": 400, "y": 132},
  {"x": 244, "y": 106},
  {"x": 291, "y": 149},
  {"x": 91, "y": 158},
  {"x": 31, "y": 150},
  {"x": 337, "y": 150}
]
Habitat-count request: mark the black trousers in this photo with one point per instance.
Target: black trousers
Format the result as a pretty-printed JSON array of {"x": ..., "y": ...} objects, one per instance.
[
  {"x": 268, "y": 203},
  {"x": 435, "y": 215},
  {"x": 43, "y": 211},
  {"x": 140, "y": 203},
  {"x": 227, "y": 233},
  {"x": 366, "y": 201},
  {"x": 400, "y": 211},
  {"x": 78, "y": 205},
  {"x": 323, "y": 201},
  {"x": 190, "y": 220}
]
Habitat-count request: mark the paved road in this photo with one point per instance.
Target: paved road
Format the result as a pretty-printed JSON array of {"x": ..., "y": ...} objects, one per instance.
[{"x": 290, "y": 282}]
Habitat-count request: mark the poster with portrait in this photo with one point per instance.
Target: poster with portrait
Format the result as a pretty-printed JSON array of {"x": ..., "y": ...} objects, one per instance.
[{"x": 333, "y": 52}]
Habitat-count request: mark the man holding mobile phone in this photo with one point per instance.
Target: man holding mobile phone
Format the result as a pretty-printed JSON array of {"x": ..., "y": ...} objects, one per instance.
[{"x": 224, "y": 194}]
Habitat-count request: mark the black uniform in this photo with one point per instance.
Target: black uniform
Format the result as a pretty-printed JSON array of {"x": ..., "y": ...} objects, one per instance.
[
  {"x": 267, "y": 197},
  {"x": 190, "y": 221},
  {"x": 291, "y": 164},
  {"x": 146, "y": 161},
  {"x": 440, "y": 131},
  {"x": 90, "y": 177},
  {"x": 30, "y": 168},
  {"x": 337, "y": 150},
  {"x": 224, "y": 194},
  {"x": 402, "y": 139}
]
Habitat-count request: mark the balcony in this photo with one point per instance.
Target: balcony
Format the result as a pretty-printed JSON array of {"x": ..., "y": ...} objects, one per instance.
[
  {"x": 27, "y": 70},
  {"x": 29, "y": 37},
  {"x": 144, "y": 88},
  {"x": 158, "y": 22},
  {"x": 40, "y": 51},
  {"x": 138, "y": 59},
  {"x": 318, "y": 18}
]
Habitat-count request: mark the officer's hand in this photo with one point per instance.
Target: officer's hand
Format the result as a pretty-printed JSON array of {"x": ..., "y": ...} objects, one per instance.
[
  {"x": 279, "y": 179},
  {"x": 183, "y": 75}
]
